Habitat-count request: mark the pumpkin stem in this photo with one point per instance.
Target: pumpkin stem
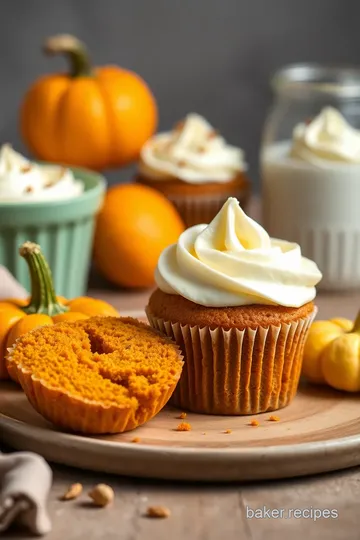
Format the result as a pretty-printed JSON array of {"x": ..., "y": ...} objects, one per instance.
[
  {"x": 74, "y": 50},
  {"x": 43, "y": 298},
  {"x": 356, "y": 327}
]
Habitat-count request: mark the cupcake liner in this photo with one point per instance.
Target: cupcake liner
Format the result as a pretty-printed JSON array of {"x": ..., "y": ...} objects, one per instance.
[
  {"x": 82, "y": 416},
  {"x": 237, "y": 372},
  {"x": 195, "y": 209}
]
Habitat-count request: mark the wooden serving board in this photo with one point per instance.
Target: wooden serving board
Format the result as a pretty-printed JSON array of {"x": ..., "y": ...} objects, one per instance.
[{"x": 318, "y": 432}]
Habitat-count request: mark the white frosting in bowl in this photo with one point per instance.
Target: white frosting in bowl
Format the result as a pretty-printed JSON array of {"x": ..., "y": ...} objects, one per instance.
[
  {"x": 326, "y": 139},
  {"x": 233, "y": 262},
  {"x": 193, "y": 152},
  {"x": 24, "y": 181}
]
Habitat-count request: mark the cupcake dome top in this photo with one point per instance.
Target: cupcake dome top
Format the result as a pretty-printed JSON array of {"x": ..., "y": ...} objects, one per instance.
[{"x": 233, "y": 262}]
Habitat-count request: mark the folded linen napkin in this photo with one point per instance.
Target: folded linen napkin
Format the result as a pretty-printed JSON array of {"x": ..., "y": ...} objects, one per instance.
[{"x": 25, "y": 478}]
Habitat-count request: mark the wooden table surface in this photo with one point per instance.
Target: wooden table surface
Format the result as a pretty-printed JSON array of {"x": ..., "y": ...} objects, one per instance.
[{"x": 209, "y": 512}]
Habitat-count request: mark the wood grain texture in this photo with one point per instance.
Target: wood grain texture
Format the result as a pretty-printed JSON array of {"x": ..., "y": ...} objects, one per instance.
[{"x": 204, "y": 512}]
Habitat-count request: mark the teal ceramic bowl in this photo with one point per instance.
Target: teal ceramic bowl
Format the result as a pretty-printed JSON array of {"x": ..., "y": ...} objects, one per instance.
[{"x": 63, "y": 229}]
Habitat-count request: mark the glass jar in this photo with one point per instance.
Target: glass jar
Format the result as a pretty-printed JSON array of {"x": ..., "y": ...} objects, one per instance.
[{"x": 314, "y": 206}]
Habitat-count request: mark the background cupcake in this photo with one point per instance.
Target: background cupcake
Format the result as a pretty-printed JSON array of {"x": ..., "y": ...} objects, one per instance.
[
  {"x": 239, "y": 304},
  {"x": 195, "y": 168}
]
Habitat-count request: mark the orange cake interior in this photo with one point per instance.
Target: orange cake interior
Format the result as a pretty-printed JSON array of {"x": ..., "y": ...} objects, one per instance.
[{"x": 108, "y": 360}]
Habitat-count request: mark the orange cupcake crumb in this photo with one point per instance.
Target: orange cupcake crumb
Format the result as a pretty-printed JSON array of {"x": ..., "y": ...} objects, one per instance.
[
  {"x": 254, "y": 423},
  {"x": 183, "y": 426},
  {"x": 274, "y": 418},
  {"x": 182, "y": 416},
  {"x": 136, "y": 440},
  {"x": 228, "y": 431}
]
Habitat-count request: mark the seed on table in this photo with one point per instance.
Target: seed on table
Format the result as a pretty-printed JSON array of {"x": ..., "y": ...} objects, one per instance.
[
  {"x": 72, "y": 492},
  {"x": 102, "y": 495},
  {"x": 158, "y": 512}
]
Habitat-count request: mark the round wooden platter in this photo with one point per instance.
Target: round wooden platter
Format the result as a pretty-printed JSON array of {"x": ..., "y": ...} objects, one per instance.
[{"x": 318, "y": 432}]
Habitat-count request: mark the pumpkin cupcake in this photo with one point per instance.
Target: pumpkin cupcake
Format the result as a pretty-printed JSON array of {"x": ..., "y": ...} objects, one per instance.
[
  {"x": 100, "y": 375},
  {"x": 195, "y": 168},
  {"x": 239, "y": 304}
]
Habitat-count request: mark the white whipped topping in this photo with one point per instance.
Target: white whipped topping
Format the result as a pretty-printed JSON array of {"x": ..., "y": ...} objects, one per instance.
[
  {"x": 193, "y": 152},
  {"x": 233, "y": 262},
  {"x": 328, "y": 137},
  {"x": 24, "y": 181}
]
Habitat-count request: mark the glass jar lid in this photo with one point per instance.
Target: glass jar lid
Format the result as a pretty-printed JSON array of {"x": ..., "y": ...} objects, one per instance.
[{"x": 340, "y": 81}]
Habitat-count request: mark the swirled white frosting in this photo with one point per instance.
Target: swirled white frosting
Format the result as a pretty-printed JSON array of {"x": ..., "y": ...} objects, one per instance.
[
  {"x": 193, "y": 152},
  {"x": 24, "y": 181},
  {"x": 233, "y": 262},
  {"x": 327, "y": 138}
]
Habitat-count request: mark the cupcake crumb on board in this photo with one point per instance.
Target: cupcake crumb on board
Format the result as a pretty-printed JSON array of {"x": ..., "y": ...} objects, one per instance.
[
  {"x": 203, "y": 433},
  {"x": 228, "y": 431},
  {"x": 274, "y": 418},
  {"x": 183, "y": 426},
  {"x": 254, "y": 423},
  {"x": 158, "y": 512},
  {"x": 136, "y": 440},
  {"x": 182, "y": 416}
]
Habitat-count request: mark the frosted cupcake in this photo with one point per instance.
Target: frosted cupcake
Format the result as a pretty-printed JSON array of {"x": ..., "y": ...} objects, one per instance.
[
  {"x": 195, "y": 168},
  {"x": 239, "y": 304}
]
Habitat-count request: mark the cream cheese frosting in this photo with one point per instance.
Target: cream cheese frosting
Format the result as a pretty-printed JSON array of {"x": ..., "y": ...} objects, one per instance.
[
  {"x": 193, "y": 152},
  {"x": 327, "y": 138},
  {"x": 233, "y": 262},
  {"x": 24, "y": 181}
]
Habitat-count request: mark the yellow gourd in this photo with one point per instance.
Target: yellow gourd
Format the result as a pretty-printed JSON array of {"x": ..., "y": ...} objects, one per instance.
[{"x": 332, "y": 354}]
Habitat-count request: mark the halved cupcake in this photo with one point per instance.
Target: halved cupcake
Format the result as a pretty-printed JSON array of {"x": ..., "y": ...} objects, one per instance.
[
  {"x": 100, "y": 375},
  {"x": 195, "y": 168},
  {"x": 239, "y": 304}
]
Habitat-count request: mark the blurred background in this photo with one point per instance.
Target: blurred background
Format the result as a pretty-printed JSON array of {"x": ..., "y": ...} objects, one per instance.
[{"x": 213, "y": 57}]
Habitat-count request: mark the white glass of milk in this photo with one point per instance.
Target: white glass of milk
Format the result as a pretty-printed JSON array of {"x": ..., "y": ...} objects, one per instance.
[{"x": 317, "y": 204}]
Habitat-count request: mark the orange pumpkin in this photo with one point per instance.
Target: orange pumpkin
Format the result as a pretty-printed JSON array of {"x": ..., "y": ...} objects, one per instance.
[
  {"x": 42, "y": 308},
  {"x": 95, "y": 118}
]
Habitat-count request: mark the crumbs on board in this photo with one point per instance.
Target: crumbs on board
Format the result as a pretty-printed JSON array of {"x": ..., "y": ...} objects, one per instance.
[{"x": 183, "y": 426}]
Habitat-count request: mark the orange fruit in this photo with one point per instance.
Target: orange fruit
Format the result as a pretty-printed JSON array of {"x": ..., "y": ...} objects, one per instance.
[{"x": 134, "y": 226}]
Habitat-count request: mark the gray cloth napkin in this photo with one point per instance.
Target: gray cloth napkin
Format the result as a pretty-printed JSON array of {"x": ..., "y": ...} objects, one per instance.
[{"x": 25, "y": 478}]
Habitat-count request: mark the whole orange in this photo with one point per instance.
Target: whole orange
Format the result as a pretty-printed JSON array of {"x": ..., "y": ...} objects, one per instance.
[{"x": 135, "y": 224}]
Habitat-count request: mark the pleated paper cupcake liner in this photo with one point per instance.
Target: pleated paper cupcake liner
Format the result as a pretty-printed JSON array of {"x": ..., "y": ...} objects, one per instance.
[
  {"x": 195, "y": 209},
  {"x": 72, "y": 413},
  {"x": 237, "y": 372}
]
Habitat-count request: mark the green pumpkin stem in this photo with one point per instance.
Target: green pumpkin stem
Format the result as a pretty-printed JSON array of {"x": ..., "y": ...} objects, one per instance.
[
  {"x": 356, "y": 327},
  {"x": 74, "y": 50},
  {"x": 43, "y": 298}
]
